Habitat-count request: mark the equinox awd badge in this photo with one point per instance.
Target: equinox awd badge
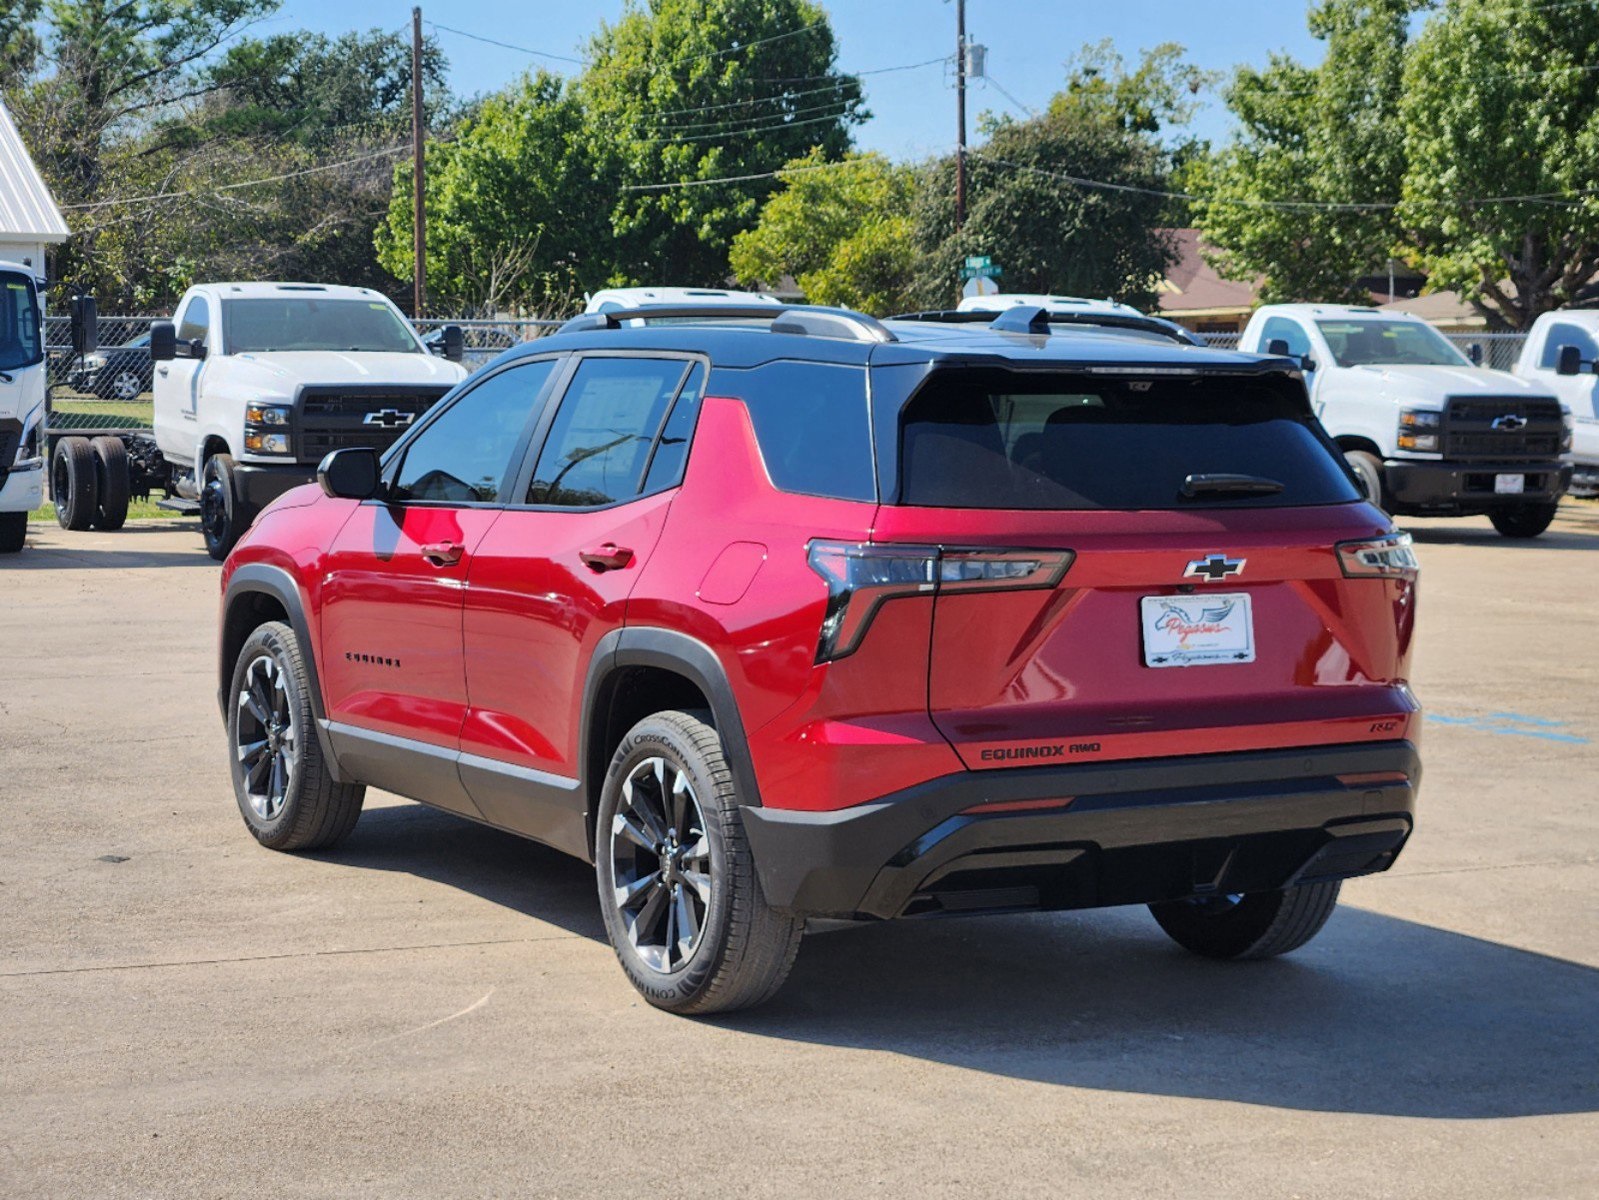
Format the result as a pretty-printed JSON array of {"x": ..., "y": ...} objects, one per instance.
[{"x": 1215, "y": 568}]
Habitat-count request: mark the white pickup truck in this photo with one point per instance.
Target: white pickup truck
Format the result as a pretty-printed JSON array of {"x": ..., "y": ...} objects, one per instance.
[
  {"x": 1561, "y": 354},
  {"x": 254, "y": 384},
  {"x": 1426, "y": 430},
  {"x": 22, "y": 384}
]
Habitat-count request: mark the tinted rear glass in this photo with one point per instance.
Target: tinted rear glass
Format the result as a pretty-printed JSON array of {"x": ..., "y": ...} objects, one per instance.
[
  {"x": 812, "y": 425},
  {"x": 996, "y": 439}
]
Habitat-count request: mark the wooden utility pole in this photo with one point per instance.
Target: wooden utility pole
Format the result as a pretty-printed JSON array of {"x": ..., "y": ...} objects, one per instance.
[
  {"x": 419, "y": 236},
  {"x": 960, "y": 114}
]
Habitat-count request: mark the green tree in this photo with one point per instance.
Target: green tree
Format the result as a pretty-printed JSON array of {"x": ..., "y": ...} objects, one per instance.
[
  {"x": 1308, "y": 138},
  {"x": 516, "y": 210},
  {"x": 1500, "y": 101},
  {"x": 842, "y": 230},
  {"x": 1028, "y": 211},
  {"x": 685, "y": 91}
]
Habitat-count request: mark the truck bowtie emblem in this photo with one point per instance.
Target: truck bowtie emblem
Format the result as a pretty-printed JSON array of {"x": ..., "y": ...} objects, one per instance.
[
  {"x": 1215, "y": 568},
  {"x": 1510, "y": 422},
  {"x": 389, "y": 418}
]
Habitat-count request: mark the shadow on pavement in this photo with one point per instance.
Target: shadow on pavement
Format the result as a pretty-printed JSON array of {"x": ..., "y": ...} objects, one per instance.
[{"x": 1378, "y": 1015}]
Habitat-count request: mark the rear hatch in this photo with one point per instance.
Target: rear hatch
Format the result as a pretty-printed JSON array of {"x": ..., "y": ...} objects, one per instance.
[{"x": 1193, "y": 571}]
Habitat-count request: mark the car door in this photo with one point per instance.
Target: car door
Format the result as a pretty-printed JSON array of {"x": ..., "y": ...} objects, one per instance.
[
  {"x": 176, "y": 384},
  {"x": 392, "y": 669},
  {"x": 553, "y": 575}
]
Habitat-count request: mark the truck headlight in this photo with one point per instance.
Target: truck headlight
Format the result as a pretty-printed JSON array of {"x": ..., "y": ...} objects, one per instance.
[
  {"x": 267, "y": 414},
  {"x": 1418, "y": 430},
  {"x": 266, "y": 443}
]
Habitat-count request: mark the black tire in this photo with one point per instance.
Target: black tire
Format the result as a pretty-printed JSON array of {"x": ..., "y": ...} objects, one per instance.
[
  {"x": 13, "y": 531},
  {"x": 224, "y": 516},
  {"x": 1523, "y": 521},
  {"x": 1254, "y": 925},
  {"x": 741, "y": 949},
  {"x": 111, "y": 479},
  {"x": 1368, "y": 469},
  {"x": 303, "y": 808},
  {"x": 73, "y": 485}
]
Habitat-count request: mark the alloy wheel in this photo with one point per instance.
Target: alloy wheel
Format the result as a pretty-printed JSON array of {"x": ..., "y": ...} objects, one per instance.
[
  {"x": 268, "y": 743},
  {"x": 661, "y": 865}
]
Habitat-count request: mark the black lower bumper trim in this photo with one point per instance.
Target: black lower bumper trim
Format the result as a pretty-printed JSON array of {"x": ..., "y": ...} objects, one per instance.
[
  {"x": 1468, "y": 487},
  {"x": 1132, "y": 833},
  {"x": 259, "y": 484}
]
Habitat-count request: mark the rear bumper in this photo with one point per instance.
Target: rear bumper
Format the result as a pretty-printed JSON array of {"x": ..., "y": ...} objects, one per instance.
[
  {"x": 1469, "y": 487},
  {"x": 1133, "y": 833}
]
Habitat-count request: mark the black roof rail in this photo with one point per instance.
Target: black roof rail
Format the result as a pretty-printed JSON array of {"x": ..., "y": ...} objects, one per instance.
[
  {"x": 807, "y": 319},
  {"x": 1035, "y": 320}
]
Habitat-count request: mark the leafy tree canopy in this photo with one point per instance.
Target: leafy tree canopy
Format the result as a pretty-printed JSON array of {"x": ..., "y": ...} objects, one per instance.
[{"x": 842, "y": 230}]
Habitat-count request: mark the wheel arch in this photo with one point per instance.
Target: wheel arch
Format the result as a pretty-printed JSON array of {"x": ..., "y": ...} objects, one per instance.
[
  {"x": 258, "y": 593},
  {"x": 638, "y": 670},
  {"x": 1349, "y": 441}
]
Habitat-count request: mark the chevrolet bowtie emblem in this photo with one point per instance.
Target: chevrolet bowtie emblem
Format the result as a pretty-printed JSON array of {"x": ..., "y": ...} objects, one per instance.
[
  {"x": 1215, "y": 568},
  {"x": 389, "y": 418}
]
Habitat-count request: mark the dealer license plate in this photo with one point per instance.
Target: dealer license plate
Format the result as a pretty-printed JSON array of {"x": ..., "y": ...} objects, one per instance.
[
  {"x": 1510, "y": 485},
  {"x": 1199, "y": 629}
]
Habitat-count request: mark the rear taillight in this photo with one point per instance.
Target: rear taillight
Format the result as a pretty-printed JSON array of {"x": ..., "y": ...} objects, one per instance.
[
  {"x": 861, "y": 577},
  {"x": 1388, "y": 557}
]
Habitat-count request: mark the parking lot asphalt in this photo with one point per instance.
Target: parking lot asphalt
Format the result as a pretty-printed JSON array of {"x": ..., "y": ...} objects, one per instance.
[{"x": 431, "y": 1009}]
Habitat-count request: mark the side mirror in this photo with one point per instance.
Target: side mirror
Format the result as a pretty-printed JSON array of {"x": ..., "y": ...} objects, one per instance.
[
  {"x": 350, "y": 474},
  {"x": 1306, "y": 363},
  {"x": 1474, "y": 352},
  {"x": 454, "y": 340},
  {"x": 85, "y": 325},
  {"x": 194, "y": 348},
  {"x": 1277, "y": 347},
  {"x": 163, "y": 341},
  {"x": 1569, "y": 362}
]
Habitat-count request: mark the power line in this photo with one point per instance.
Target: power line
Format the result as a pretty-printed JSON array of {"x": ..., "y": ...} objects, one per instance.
[
  {"x": 996, "y": 85},
  {"x": 229, "y": 187},
  {"x": 688, "y": 183}
]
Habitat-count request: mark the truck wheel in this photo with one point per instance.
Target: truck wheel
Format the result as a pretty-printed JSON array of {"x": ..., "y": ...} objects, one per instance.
[
  {"x": 111, "y": 478},
  {"x": 1525, "y": 521},
  {"x": 13, "y": 531},
  {"x": 1367, "y": 469},
  {"x": 287, "y": 796},
  {"x": 1253, "y": 925},
  {"x": 678, "y": 890},
  {"x": 223, "y": 515},
  {"x": 73, "y": 485}
]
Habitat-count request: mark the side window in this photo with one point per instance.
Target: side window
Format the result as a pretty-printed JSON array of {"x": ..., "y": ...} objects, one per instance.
[
  {"x": 671, "y": 451},
  {"x": 196, "y": 323},
  {"x": 1291, "y": 332},
  {"x": 1567, "y": 335},
  {"x": 601, "y": 437},
  {"x": 464, "y": 455},
  {"x": 813, "y": 427}
]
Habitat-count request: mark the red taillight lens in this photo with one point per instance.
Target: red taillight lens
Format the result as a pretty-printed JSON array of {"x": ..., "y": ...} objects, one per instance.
[
  {"x": 1389, "y": 557},
  {"x": 861, "y": 576}
]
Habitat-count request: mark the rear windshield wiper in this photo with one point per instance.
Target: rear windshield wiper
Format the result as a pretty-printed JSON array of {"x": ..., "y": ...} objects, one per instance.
[{"x": 1230, "y": 485}]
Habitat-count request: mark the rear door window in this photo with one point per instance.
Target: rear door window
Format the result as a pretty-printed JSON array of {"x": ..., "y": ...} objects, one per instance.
[
  {"x": 812, "y": 424},
  {"x": 998, "y": 439}
]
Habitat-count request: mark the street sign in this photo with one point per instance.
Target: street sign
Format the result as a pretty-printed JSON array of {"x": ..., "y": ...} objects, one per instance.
[
  {"x": 977, "y": 261},
  {"x": 986, "y": 271}
]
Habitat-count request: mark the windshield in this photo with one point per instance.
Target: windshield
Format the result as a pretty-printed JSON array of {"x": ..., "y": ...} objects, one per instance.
[
  {"x": 1364, "y": 343},
  {"x": 305, "y": 323},
  {"x": 20, "y": 343}
]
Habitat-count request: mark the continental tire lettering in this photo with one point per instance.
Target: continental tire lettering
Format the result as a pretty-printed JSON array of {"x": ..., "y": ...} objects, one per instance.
[{"x": 1014, "y": 753}]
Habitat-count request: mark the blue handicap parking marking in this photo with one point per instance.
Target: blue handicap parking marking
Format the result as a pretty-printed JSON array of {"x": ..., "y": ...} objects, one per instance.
[{"x": 1508, "y": 724}]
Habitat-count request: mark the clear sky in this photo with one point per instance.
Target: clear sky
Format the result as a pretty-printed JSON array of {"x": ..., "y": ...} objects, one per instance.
[{"x": 913, "y": 111}]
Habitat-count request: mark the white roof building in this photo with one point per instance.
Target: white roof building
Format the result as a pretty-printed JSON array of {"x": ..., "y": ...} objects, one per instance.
[{"x": 29, "y": 217}]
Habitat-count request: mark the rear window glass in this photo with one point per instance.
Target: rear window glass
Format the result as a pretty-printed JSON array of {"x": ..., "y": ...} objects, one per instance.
[
  {"x": 973, "y": 439},
  {"x": 812, "y": 425}
]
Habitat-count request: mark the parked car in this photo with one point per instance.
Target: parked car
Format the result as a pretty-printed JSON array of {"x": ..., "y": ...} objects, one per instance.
[
  {"x": 611, "y": 299},
  {"x": 818, "y": 616},
  {"x": 1427, "y": 431},
  {"x": 115, "y": 372},
  {"x": 1561, "y": 354}
]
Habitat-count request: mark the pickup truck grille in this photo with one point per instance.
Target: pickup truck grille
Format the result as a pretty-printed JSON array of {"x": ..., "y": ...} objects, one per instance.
[
  {"x": 336, "y": 418},
  {"x": 1514, "y": 427}
]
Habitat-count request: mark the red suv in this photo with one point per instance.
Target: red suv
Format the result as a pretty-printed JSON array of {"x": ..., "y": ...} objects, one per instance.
[{"x": 786, "y": 615}]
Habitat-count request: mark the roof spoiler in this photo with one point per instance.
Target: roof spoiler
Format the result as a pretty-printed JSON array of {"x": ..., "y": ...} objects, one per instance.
[
  {"x": 805, "y": 319},
  {"x": 1031, "y": 319}
]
